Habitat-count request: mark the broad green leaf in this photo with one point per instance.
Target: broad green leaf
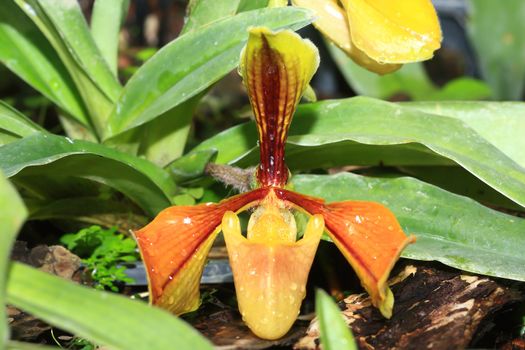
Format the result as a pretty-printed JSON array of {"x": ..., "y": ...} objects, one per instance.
[
  {"x": 496, "y": 30},
  {"x": 410, "y": 80},
  {"x": 104, "y": 318},
  {"x": 162, "y": 139},
  {"x": 55, "y": 156},
  {"x": 500, "y": 123},
  {"x": 335, "y": 334},
  {"x": 237, "y": 146},
  {"x": 208, "y": 54},
  {"x": 203, "y": 12},
  {"x": 457, "y": 180},
  {"x": 66, "y": 19},
  {"x": 76, "y": 130},
  {"x": 106, "y": 19},
  {"x": 12, "y": 215},
  {"x": 191, "y": 166},
  {"x": 249, "y": 5},
  {"x": 62, "y": 23},
  {"x": 452, "y": 229},
  {"x": 14, "y": 123},
  {"x": 462, "y": 89},
  {"x": 26, "y": 52},
  {"x": 14, "y": 345},
  {"x": 357, "y": 131}
]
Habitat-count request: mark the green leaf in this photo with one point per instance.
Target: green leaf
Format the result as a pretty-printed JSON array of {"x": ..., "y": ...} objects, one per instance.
[
  {"x": 63, "y": 24},
  {"x": 335, "y": 334},
  {"x": 364, "y": 127},
  {"x": 106, "y": 19},
  {"x": 14, "y": 123},
  {"x": 26, "y": 52},
  {"x": 203, "y": 12},
  {"x": 457, "y": 180},
  {"x": 496, "y": 30},
  {"x": 191, "y": 165},
  {"x": 411, "y": 79},
  {"x": 462, "y": 89},
  {"x": 452, "y": 229},
  {"x": 105, "y": 318},
  {"x": 161, "y": 140},
  {"x": 14, "y": 345},
  {"x": 12, "y": 216},
  {"x": 500, "y": 123},
  {"x": 249, "y": 5},
  {"x": 210, "y": 53},
  {"x": 55, "y": 156}
]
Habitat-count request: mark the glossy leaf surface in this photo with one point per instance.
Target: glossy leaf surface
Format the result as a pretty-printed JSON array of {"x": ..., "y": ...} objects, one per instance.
[
  {"x": 335, "y": 334},
  {"x": 106, "y": 19},
  {"x": 500, "y": 123},
  {"x": 27, "y": 53},
  {"x": 15, "y": 345},
  {"x": 14, "y": 125},
  {"x": 45, "y": 154},
  {"x": 452, "y": 229},
  {"x": 160, "y": 85},
  {"x": 63, "y": 23},
  {"x": 201, "y": 13},
  {"x": 12, "y": 216},
  {"x": 64, "y": 26},
  {"x": 104, "y": 318},
  {"x": 364, "y": 128}
]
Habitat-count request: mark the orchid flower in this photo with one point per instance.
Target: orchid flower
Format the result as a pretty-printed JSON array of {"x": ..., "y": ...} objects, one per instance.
[
  {"x": 270, "y": 266},
  {"x": 379, "y": 35}
]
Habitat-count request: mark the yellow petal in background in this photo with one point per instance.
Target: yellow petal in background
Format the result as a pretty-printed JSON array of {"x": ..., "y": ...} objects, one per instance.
[
  {"x": 270, "y": 278},
  {"x": 391, "y": 31},
  {"x": 331, "y": 20}
]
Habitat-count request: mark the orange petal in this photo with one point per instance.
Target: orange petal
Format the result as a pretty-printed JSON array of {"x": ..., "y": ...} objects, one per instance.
[
  {"x": 276, "y": 69},
  {"x": 394, "y": 31},
  {"x": 270, "y": 279},
  {"x": 174, "y": 247},
  {"x": 368, "y": 235},
  {"x": 333, "y": 23}
]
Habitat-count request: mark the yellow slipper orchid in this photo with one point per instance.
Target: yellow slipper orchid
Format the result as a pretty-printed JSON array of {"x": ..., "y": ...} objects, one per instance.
[
  {"x": 270, "y": 266},
  {"x": 379, "y": 35}
]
